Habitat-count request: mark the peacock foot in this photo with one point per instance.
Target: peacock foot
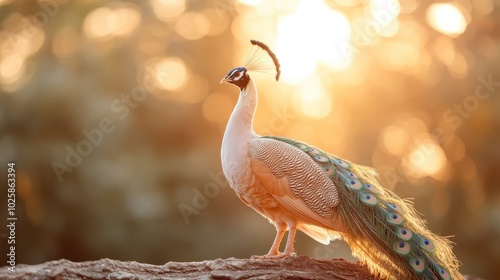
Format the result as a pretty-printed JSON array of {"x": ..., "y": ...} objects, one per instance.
[{"x": 274, "y": 256}]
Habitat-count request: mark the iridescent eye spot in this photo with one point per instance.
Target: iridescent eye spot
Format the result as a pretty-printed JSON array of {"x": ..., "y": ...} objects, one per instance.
[
  {"x": 427, "y": 244},
  {"x": 443, "y": 273},
  {"x": 402, "y": 247},
  {"x": 342, "y": 163},
  {"x": 404, "y": 233},
  {"x": 348, "y": 176},
  {"x": 329, "y": 170},
  {"x": 394, "y": 218},
  {"x": 371, "y": 188},
  {"x": 352, "y": 175},
  {"x": 321, "y": 158},
  {"x": 353, "y": 184},
  {"x": 417, "y": 264},
  {"x": 394, "y": 207},
  {"x": 314, "y": 151},
  {"x": 369, "y": 199}
]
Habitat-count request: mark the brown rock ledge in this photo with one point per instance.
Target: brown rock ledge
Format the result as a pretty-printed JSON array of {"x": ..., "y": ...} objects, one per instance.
[{"x": 301, "y": 267}]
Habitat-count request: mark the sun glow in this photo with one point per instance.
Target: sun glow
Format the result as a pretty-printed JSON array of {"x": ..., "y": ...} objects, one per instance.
[
  {"x": 312, "y": 100},
  {"x": 303, "y": 41}
]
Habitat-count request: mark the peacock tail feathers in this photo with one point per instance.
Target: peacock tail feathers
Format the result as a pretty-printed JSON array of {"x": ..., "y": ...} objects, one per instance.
[{"x": 384, "y": 231}]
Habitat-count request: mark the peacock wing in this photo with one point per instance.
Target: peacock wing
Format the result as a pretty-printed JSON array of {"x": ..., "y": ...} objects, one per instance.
[{"x": 296, "y": 181}]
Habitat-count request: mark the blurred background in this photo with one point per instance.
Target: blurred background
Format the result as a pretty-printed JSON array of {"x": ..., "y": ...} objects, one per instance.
[{"x": 113, "y": 113}]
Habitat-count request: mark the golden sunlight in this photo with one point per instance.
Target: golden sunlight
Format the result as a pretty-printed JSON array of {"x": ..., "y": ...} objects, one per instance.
[
  {"x": 446, "y": 18},
  {"x": 303, "y": 41},
  {"x": 312, "y": 100}
]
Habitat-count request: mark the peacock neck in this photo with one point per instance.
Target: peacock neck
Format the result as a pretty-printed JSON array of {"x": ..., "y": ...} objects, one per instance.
[
  {"x": 239, "y": 130},
  {"x": 243, "y": 113}
]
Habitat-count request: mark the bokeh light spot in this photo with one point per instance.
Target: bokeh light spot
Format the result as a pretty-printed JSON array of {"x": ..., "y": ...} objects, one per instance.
[
  {"x": 427, "y": 159},
  {"x": 115, "y": 20},
  {"x": 218, "y": 22},
  {"x": 11, "y": 68},
  {"x": 446, "y": 18},
  {"x": 167, "y": 10},
  {"x": 395, "y": 139},
  {"x": 19, "y": 40},
  {"x": 170, "y": 73},
  {"x": 193, "y": 26}
]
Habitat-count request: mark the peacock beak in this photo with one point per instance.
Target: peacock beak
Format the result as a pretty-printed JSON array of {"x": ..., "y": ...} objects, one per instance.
[{"x": 224, "y": 80}]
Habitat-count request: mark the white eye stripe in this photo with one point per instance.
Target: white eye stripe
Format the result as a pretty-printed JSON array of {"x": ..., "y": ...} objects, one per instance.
[
  {"x": 232, "y": 72},
  {"x": 239, "y": 76}
]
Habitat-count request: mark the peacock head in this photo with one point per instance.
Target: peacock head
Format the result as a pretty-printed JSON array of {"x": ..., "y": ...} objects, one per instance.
[
  {"x": 237, "y": 76},
  {"x": 255, "y": 62}
]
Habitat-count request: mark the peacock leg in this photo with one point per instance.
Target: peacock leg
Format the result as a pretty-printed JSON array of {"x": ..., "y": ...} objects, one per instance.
[
  {"x": 274, "y": 251},
  {"x": 289, "y": 249}
]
